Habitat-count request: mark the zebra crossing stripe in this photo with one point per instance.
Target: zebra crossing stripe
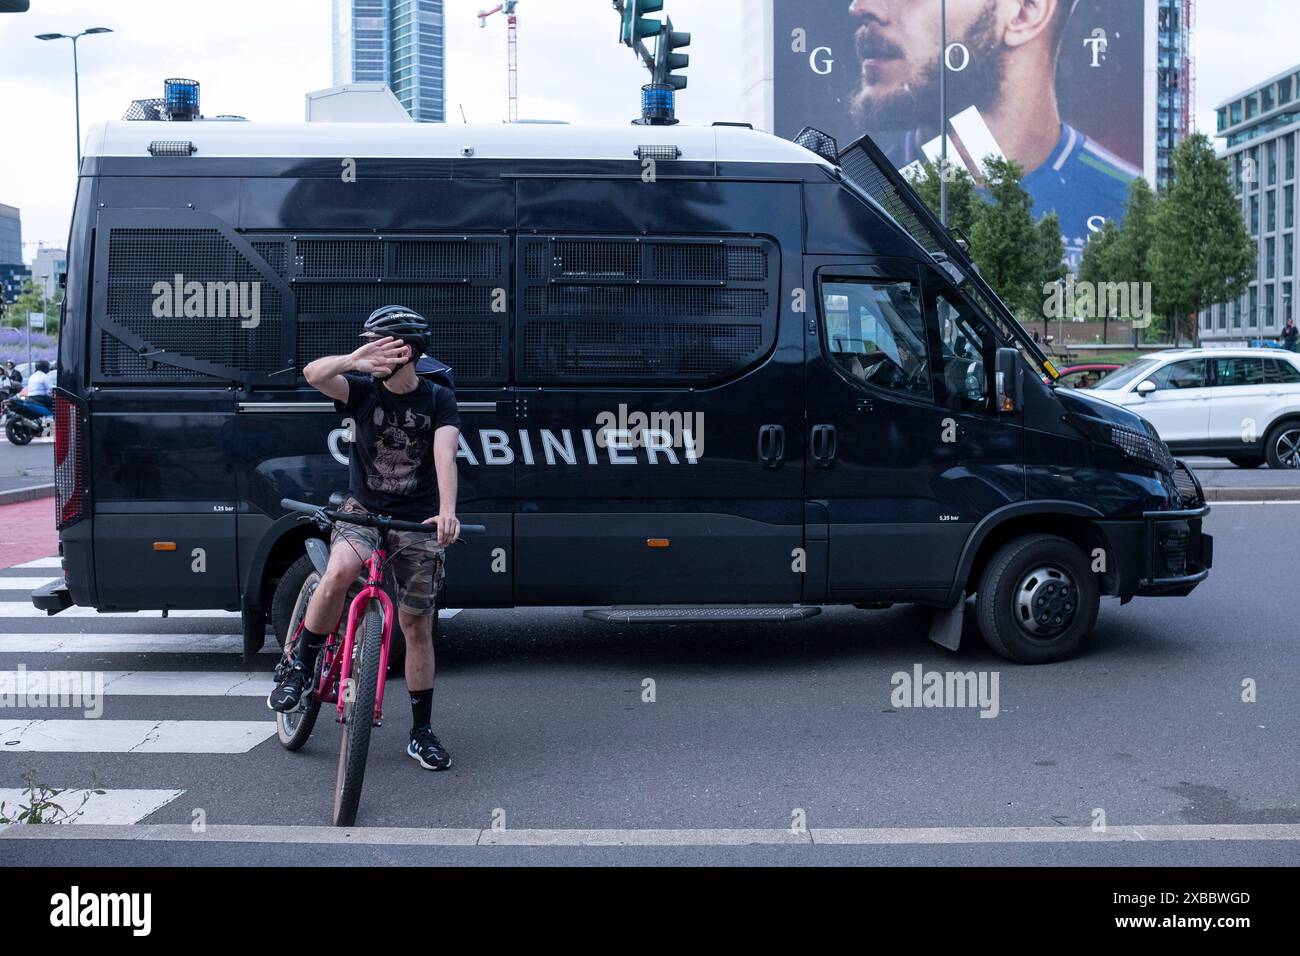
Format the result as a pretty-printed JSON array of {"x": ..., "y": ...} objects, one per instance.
[
  {"x": 134, "y": 736},
  {"x": 22, "y": 584},
  {"x": 127, "y": 643},
  {"x": 112, "y": 807},
  {"x": 145, "y": 683},
  {"x": 24, "y": 609},
  {"x": 53, "y": 562}
]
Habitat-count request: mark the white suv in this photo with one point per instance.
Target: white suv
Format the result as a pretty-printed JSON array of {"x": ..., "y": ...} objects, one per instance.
[{"x": 1239, "y": 404}]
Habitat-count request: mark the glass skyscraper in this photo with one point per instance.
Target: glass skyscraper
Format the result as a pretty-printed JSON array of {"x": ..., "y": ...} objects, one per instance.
[
  {"x": 397, "y": 42},
  {"x": 1174, "y": 82}
]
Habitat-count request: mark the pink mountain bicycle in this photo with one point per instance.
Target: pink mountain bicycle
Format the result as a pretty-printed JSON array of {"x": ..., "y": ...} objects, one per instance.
[{"x": 351, "y": 667}]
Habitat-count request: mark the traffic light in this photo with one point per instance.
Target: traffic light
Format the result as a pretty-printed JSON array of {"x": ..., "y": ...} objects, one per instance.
[
  {"x": 636, "y": 26},
  {"x": 667, "y": 63}
]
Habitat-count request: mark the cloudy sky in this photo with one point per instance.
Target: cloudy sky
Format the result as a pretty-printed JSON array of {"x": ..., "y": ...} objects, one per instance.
[{"x": 257, "y": 58}]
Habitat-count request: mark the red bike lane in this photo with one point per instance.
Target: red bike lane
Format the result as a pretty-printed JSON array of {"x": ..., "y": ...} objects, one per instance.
[{"x": 27, "y": 532}]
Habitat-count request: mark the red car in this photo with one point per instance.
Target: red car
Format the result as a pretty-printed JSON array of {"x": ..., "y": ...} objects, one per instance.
[{"x": 1084, "y": 376}]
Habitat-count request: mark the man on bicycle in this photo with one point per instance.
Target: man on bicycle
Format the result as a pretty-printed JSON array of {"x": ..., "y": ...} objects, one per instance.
[{"x": 403, "y": 463}]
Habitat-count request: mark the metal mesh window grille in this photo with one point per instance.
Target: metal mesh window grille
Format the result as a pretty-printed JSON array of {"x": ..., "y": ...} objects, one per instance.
[
  {"x": 603, "y": 260},
  {"x": 445, "y": 259},
  {"x": 648, "y": 301},
  {"x": 358, "y": 300},
  {"x": 206, "y": 283},
  {"x": 868, "y": 177},
  {"x": 274, "y": 253},
  {"x": 362, "y": 258},
  {"x": 638, "y": 352},
  {"x": 647, "y": 310}
]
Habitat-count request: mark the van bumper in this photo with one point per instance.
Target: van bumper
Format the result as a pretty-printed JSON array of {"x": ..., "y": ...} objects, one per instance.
[
  {"x": 1164, "y": 554},
  {"x": 1177, "y": 554},
  {"x": 52, "y": 597}
]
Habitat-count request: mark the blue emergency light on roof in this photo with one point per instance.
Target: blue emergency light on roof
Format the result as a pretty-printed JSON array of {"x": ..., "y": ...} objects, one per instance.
[
  {"x": 181, "y": 98},
  {"x": 657, "y": 102}
]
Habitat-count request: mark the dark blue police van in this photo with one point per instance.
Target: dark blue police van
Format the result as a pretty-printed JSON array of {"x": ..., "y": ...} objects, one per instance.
[{"x": 702, "y": 372}]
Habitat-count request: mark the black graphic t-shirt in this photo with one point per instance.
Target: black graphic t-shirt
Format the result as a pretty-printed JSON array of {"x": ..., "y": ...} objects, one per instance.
[{"x": 391, "y": 466}]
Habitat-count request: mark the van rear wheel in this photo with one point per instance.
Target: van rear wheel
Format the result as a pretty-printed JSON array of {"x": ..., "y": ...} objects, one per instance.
[{"x": 1037, "y": 599}]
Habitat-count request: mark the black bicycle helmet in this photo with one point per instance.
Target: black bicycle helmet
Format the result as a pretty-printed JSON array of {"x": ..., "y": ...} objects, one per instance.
[{"x": 398, "y": 322}]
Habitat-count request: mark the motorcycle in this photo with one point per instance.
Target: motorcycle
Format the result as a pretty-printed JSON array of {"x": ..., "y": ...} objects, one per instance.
[{"x": 21, "y": 425}]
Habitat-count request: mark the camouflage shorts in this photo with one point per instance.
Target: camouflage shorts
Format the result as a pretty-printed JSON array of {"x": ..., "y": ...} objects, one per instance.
[{"x": 416, "y": 561}]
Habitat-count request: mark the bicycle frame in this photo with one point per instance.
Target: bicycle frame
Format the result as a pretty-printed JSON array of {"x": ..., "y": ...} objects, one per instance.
[{"x": 340, "y": 669}]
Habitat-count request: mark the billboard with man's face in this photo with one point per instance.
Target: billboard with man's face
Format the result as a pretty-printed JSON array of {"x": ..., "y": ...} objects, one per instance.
[{"x": 1056, "y": 85}]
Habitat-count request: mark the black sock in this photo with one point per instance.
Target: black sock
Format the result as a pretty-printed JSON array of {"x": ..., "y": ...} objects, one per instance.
[
  {"x": 309, "y": 645},
  {"x": 421, "y": 708}
]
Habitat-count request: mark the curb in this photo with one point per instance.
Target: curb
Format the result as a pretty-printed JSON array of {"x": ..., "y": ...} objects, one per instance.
[
  {"x": 26, "y": 494},
  {"x": 1252, "y": 494}
]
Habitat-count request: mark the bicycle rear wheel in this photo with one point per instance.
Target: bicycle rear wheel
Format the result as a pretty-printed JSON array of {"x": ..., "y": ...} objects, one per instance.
[
  {"x": 294, "y": 727},
  {"x": 358, "y": 715}
]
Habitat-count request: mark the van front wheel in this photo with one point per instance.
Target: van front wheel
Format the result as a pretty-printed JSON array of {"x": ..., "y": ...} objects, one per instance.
[{"x": 1037, "y": 600}]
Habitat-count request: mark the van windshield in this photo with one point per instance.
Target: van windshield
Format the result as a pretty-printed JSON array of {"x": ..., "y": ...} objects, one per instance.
[{"x": 1122, "y": 376}]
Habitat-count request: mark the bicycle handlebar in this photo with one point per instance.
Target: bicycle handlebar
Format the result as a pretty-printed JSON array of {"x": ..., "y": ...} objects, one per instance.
[{"x": 372, "y": 521}]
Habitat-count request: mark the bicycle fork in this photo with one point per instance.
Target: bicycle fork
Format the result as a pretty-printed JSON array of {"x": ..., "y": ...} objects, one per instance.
[{"x": 355, "y": 610}]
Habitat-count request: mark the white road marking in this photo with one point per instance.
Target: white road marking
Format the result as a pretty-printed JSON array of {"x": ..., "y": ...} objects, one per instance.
[
  {"x": 54, "y": 562},
  {"x": 22, "y": 584},
  {"x": 25, "y": 609},
  {"x": 113, "y": 807},
  {"x": 149, "y": 683},
  {"x": 128, "y": 643},
  {"x": 883, "y": 836},
  {"x": 1220, "y": 504},
  {"x": 134, "y": 736}
]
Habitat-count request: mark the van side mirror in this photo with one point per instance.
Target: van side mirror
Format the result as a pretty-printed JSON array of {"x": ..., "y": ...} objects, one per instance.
[
  {"x": 1006, "y": 381},
  {"x": 1145, "y": 388}
]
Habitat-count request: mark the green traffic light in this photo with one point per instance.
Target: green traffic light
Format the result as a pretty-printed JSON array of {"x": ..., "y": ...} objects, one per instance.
[{"x": 637, "y": 27}]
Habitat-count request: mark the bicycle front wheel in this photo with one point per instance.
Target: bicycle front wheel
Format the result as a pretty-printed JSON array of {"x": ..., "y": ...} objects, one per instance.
[{"x": 358, "y": 715}]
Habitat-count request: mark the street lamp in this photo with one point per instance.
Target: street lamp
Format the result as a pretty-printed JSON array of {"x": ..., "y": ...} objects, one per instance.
[
  {"x": 943, "y": 113},
  {"x": 76, "y": 79}
]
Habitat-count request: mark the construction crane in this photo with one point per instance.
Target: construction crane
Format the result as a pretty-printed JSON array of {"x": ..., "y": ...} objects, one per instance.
[{"x": 512, "y": 29}]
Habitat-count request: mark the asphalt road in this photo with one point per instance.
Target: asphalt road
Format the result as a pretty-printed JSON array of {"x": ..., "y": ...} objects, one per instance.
[
  {"x": 752, "y": 727},
  {"x": 22, "y": 466}
]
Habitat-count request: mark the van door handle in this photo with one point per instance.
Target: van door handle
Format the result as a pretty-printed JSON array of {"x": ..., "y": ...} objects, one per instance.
[
  {"x": 771, "y": 445},
  {"x": 823, "y": 445}
]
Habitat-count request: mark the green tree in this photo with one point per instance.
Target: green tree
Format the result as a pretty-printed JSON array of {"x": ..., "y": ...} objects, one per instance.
[
  {"x": 1201, "y": 253},
  {"x": 32, "y": 299},
  {"x": 1051, "y": 262},
  {"x": 1004, "y": 240},
  {"x": 1098, "y": 264},
  {"x": 1130, "y": 260},
  {"x": 964, "y": 202}
]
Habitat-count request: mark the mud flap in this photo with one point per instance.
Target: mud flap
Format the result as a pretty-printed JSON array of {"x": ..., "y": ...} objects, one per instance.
[
  {"x": 945, "y": 624},
  {"x": 254, "y": 633}
]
